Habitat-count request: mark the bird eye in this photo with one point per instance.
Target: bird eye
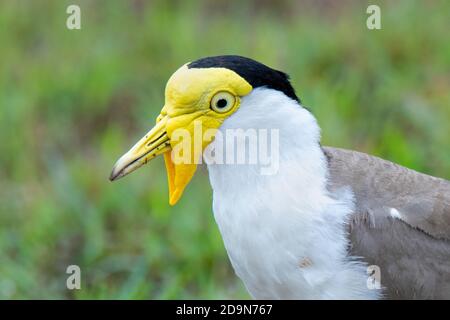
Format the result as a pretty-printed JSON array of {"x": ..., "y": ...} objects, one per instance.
[{"x": 223, "y": 102}]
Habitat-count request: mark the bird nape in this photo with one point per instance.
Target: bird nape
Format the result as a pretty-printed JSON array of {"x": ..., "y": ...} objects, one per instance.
[{"x": 324, "y": 223}]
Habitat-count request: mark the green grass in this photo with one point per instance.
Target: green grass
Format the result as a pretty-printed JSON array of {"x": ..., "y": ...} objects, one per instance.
[{"x": 71, "y": 102}]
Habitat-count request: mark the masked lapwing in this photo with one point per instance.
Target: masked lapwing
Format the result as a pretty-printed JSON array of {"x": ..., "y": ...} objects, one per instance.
[{"x": 317, "y": 223}]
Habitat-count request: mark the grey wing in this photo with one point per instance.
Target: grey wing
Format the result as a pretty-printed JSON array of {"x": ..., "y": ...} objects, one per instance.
[{"x": 401, "y": 223}]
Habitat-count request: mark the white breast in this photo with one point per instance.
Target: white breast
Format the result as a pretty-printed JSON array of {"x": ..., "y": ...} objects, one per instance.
[{"x": 284, "y": 234}]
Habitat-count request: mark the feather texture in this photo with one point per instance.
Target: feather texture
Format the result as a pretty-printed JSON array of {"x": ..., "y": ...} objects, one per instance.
[
  {"x": 401, "y": 222},
  {"x": 284, "y": 233}
]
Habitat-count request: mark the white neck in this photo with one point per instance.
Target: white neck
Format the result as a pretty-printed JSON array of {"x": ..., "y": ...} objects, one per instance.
[{"x": 285, "y": 235}]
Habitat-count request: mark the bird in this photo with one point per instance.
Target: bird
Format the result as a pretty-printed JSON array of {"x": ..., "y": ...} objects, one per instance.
[{"x": 322, "y": 222}]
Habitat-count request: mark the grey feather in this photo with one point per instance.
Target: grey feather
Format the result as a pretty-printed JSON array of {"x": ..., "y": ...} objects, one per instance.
[{"x": 412, "y": 246}]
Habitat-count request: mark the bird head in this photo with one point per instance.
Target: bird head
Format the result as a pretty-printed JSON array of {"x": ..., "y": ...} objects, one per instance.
[{"x": 199, "y": 97}]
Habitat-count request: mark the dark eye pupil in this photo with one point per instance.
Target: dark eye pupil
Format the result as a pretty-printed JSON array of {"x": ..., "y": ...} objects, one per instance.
[{"x": 222, "y": 103}]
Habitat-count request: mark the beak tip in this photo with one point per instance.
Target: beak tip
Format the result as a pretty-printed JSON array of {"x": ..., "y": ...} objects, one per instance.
[
  {"x": 115, "y": 175},
  {"x": 174, "y": 197}
]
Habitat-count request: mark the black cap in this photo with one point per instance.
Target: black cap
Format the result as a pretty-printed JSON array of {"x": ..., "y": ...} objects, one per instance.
[{"x": 254, "y": 72}]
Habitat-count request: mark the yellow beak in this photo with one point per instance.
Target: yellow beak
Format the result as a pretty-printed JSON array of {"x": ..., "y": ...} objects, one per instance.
[{"x": 154, "y": 143}]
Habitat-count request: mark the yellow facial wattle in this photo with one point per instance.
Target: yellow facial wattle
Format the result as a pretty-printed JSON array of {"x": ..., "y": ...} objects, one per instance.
[{"x": 197, "y": 100}]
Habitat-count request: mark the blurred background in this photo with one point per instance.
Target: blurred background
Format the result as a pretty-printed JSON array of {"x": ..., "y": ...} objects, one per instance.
[{"x": 72, "y": 101}]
